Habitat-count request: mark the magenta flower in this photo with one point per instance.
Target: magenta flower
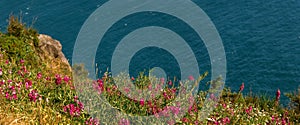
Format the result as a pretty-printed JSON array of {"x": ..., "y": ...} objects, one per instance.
[
  {"x": 28, "y": 84},
  {"x": 22, "y": 61},
  {"x": 33, "y": 95},
  {"x": 39, "y": 75},
  {"x": 7, "y": 61},
  {"x": 48, "y": 78},
  {"x": 226, "y": 120},
  {"x": 92, "y": 121},
  {"x": 142, "y": 102},
  {"x": 277, "y": 95},
  {"x": 191, "y": 78},
  {"x": 67, "y": 79},
  {"x": 132, "y": 78},
  {"x": 170, "y": 83},
  {"x": 7, "y": 96},
  {"x": 1, "y": 73},
  {"x": 124, "y": 122},
  {"x": 126, "y": 89},
  {"x": 175, "y": 110},
  {"x": 9, "y": 81},
  {"x": 2, "y": 82},
  {"x": 242, "y": 87},
  {"x": 72, "y": 110},
  {"x": 162, "y": 80},
  {"x": 184, "y": 120},
  {"x": 58, "y": 79},
  {"x": 171, "y": 122},
  {"x": 249, "y": 110},
  {"x": 15, "y": 97}
]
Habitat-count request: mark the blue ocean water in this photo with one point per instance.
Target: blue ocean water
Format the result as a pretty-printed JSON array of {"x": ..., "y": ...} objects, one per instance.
[{"x": 261, "y": 37}]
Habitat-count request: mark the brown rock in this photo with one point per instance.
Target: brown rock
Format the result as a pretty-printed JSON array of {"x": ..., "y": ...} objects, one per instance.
[{"x": 51, "y": 50}]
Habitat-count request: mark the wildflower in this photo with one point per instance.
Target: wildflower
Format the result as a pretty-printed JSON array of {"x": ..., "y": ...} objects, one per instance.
[
  {"x": 226, "y": 120},
  {"x": 142, "y": 102},
  {"x": 92, "y": 121},
  {"x": 48, "y": 78},
  {"x": 7, "y": 96},
  {"x": 132, "y": 78},
  {"x": 126, "y": 89},
  {"x": 171, "y": 122},
  {"x": 39, "y": 75},
  {"x": 184, "y": 120},
  {"x": 1, "y": 73},
  {"x": 33, "y": 95},
  {"x": 248, "y": 111},
  {"x": 242, "y": 87},
  {"x": 166, "y": 95},
  {"x": 67, "y": 79},
  {"x": 28, "y": 84},
  {"x": 277, "y": 95},
  {"x": 73, "y": 110},
  {"x": 175, "y": 110},
  {"x": 58, "y": 79},
  {"x": 212, "y": 96},
  {"x": 2, "y": 82},
  {"x": 224, "y": 105},
  {"x": 22, "y": 61},
  {"x": 162, "y": 80},
  {"x": 7, "y": 61},
  {"x": 9, "y": 81},
  {"x": 124, "y": 122},
  {"x": 170, "y": 83},
  {"x": 191, "y": 78}
]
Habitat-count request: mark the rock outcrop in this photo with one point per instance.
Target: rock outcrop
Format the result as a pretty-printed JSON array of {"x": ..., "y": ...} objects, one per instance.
[{"x": 50, "y": 50}]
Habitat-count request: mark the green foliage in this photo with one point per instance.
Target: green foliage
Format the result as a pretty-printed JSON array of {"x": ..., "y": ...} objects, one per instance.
[{"x": 19, "y": 43}]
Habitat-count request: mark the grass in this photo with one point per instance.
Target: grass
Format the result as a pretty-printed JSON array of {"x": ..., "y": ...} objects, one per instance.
[{"x": 33, "y": 93}]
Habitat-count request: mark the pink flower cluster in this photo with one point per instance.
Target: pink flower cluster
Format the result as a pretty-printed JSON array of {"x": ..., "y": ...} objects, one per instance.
[
  {"x": 124, "y": 122},
  {"x": 33, "y": 95},
  {"x": 59, "y": 79},
  {"x": 248, "y": 110},
  {"x": 92, "y": 121},
  {"x": 99, "y": 86},
  {"x": 74, "y": 110}
]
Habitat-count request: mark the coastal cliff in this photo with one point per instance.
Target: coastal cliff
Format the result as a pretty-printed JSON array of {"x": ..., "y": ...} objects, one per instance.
[{"x": 51, "y": 52}]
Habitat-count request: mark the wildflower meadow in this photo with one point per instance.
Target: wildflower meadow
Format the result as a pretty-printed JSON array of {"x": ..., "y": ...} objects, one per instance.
[{"x": 31, "y": 92}]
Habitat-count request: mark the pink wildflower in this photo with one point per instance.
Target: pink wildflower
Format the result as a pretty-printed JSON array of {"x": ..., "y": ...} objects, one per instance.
[
  {"x": 1, "y": 73},
  {"x": 7, "y": 96},
  {"x": 67, "y": 79},
  {"x": 184, "y": 120},
  {"x": 124, "y": 122},
  {"x": 191, "y": 78},
  {"x": 249, "y": 110},
  {"x": 73, "y": 110},
  {"x": 39, "y": 75},
  {"x": 226, "y": 120},
  {"x": 92, "y": 121},
  {"x": 277, "y": 95},
  {"x": 33, "y": 95},
  {"x": 58, "y": 79},
  {"x": 242, "y": 87},
  {"x": 170, "y": 83},
  {"x": 22, "y": 61},
  {"x": 28, "y": 84},
  {"x": 162, "y": 80},
  {"x": 15, "y": 97},
  {"x": 142, "y": 102}
]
